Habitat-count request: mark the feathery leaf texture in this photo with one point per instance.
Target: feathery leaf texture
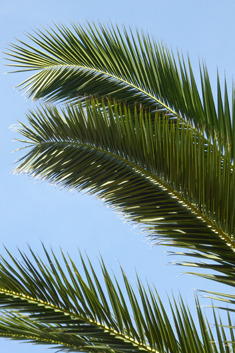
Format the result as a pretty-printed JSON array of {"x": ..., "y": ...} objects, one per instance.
[
  {"x": 154, "y": 147},
  {"x": 130, "y": 67},
  {"x": 57, "y": 304},
  {"x": 161, "y": 175}
]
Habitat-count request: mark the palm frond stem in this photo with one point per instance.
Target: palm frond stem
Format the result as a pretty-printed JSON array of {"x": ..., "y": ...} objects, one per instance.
[
  {"x": 116, "y": 78},
  {"x": 159, "y": 175},
  {"x": 87, "y": 62},
  {"x": 58, "y": 304},
  {"x": 36, "y": 339},
  {"x": 76, "y": 316},
  {"x": 154, "y": 179}
]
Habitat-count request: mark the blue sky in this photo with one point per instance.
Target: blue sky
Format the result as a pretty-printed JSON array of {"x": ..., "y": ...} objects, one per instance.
[{"x": 32, "y": 211}]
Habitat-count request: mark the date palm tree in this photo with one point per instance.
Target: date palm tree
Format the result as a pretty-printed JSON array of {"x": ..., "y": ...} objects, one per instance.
[{"x": 134, "y": 129}]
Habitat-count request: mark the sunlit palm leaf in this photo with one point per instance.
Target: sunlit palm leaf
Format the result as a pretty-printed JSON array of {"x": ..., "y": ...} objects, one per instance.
[
  {"x": 162, "y": 175},
  {"x": 55, "y": 303},
  {"x": 131, "y": 67},
  {"x": 171, "y": 173}
]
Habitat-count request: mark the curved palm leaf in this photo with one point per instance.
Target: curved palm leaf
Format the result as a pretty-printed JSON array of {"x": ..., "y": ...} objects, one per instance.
[
  {"x": 131, "y": 67},
  {"x": 20, "y": 327},
  {"x": 75, "y": 312},
  {"x": 162, "y": 175}
]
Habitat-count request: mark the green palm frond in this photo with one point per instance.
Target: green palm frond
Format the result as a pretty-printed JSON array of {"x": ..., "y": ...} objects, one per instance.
[
  {"x": 57, "y": 304},
  {"x": 161, "y": 175},
  {"x": 20, "y": 327},
  {"x": 128, "y": 66},
  {"x": 163, "y": 156}
]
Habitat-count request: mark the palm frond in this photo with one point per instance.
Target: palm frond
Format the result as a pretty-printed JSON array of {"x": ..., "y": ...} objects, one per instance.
[
  {"x": 20, "y": 327},
  {"x": 54, "y": 303},
  {"x": 161, "y": 175},
  {"x": 131, "y": 67}
]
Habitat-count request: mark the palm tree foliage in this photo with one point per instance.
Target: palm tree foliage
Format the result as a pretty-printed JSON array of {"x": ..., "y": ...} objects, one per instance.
[
  {"x": 136, "y": 131},
  {"x": 76, "y": 312},
  {"x": 176, "y": 190},
  {"x": 131, "y": 67}
]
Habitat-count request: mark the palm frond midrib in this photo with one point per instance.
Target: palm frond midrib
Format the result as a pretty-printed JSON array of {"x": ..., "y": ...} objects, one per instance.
[
  {"x": 152, "y": 325},
  {"x": 76, "y": 315},
  {"x": 125, "y": 80},
  {"x": 143, "y": 70},
  {"x": 145, "y": 172}
]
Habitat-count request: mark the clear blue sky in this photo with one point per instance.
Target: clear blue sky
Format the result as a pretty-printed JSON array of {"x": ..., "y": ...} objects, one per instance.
[{"x": 33, "y": 211}]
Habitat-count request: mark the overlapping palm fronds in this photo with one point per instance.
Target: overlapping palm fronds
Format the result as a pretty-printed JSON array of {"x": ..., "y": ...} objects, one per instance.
[
  {"x": 154, "y": 147},
  {"x": 131, "y": 67},
  {"x": 161, "y": 175},
  {"x": 57, "y": 304}
]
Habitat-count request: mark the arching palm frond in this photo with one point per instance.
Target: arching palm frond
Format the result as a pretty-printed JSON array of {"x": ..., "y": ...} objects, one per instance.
[
  {"x": 161, "y": 175},
  {"x": 58, "y": 304},
  {"x": 131, "y": 67},
  {"x": 168, "y": 167}
]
